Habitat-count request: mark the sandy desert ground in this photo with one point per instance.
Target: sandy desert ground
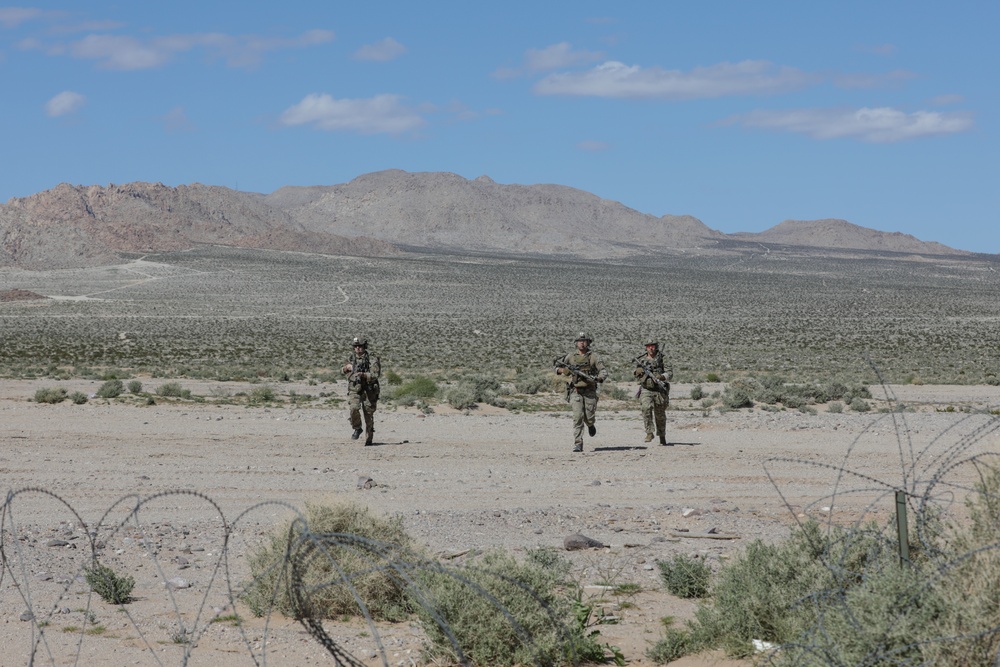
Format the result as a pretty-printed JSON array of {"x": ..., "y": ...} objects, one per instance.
[{"x": 461, "y": 482}]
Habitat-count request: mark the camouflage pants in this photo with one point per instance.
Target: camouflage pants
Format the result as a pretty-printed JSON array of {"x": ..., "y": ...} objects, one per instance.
[
  {"x": 361, "y": 403},
  {"x": 654, "y": 411},
  {"x": 584, "y": 411}
]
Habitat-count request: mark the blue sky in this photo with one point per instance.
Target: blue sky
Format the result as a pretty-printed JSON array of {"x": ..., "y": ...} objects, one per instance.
[{"x": 742, "y": 114}]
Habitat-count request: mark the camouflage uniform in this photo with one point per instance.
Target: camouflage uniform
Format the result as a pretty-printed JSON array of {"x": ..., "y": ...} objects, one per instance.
[
  {"x": 582, "y": 394},
  {"x": 654, "y": 398},
  {"x": 362, "y": 370}
]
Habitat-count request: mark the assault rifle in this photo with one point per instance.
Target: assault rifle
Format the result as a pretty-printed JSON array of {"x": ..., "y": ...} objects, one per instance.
[
  {"x": 575, "y": 370},
  {"x": 362, "y": 365},
  {"x": 647, "y": 371}
]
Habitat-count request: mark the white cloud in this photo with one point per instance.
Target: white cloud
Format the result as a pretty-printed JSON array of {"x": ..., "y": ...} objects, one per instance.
[
  {"x": 879, "y": 125},
  {"x": 947, "y": 100},
  {"x": 873, "y": 80},
  {"x": 176, "y": 120},
  {"x": 614, "y": 79},
  {"x": 11, "y": 17},
  {"x": 550, "y": 58},
  {"x": 381, "y": 51},
  {"x": 121, "y": 52},
  {"x": 593, "y": 146},
  {"x": 64, "y": 103},
  {"x": 376, "y": 115}
]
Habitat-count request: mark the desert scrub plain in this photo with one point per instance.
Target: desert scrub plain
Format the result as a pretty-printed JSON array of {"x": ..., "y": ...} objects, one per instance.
[{"x": 224, "y": 313}]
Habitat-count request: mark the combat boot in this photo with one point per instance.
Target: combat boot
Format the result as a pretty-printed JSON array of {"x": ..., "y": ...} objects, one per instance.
[
  {"x": 663, "y": 439},
  {"x": 649, "y": 437},
  {"x": 578, "y": 447},
  {"x": 369, "y": 438},
  {"x": 356, "y": 434},
  {"x": 592, "y": 430}
]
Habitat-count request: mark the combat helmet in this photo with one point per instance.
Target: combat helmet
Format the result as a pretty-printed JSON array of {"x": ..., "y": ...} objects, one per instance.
[
  {"x": 584, "y": 336},
  {"x": 651, "y": 340},
  {"x": 360, "y": 340}
]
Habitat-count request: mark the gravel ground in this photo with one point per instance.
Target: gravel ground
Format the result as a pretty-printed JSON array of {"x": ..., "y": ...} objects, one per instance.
[{"x": 461, "y": 483}]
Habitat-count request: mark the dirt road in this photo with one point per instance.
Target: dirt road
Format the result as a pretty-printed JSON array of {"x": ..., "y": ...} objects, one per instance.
[{"x": 461, "y": 482}]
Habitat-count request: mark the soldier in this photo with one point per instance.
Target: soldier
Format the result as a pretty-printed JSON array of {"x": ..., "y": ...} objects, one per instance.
[
  {"x": 584, "y": 371},
  {"x": 654, "y": 385},
  {"x": 362, "y": 370}
]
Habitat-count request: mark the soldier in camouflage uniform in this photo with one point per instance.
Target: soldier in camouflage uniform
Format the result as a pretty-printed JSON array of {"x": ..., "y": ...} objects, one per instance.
[
  {"x": 654, "y": 381},
  {"x": 362, "y": 370},
  {"x": 581, "y": 389}
]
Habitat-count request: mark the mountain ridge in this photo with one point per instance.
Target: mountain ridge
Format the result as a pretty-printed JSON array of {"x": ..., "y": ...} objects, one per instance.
[{"x": 378, "y": 213}]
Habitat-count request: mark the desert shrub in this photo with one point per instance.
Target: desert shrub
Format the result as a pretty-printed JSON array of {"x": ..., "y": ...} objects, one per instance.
[
  {"x": 330, "y": 562},
  {"x": 78, "y": 397},
  {"x": 530, "y": 382},
  {"x": 712, "y": 377},
  {"x": 735, "y": 398},
  {"x": 462, "y": 396},
  {"x": 673, "y": 645},
  {"x": 262, "y": 394},
  {"x": 110, "y": 586},
  {"x": 471, "y": 391},
  {"x": 173, "y": 389},
  {"x": 835, "y": 407},
  {"x": 134, "y": 387},
  {"x": 111, "y": 389},
  {"x": 418, "y": 387},
  {"x": 858, "y": 404},
  {"x": 614, "y": 392},
  {"x": 50, "y": 395},
  {"x": 504, "y": 612},
  {"x": 393, "y": 378},
  {"x": 697, "y": 393},
  {"x": 685, "y": 577}
]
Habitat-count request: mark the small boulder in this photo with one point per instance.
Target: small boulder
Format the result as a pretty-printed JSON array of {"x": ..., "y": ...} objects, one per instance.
[{"x": 577, "y": 541}]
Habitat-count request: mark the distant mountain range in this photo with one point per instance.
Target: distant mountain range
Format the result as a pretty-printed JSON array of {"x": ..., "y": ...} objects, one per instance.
[{"x": 385, "y": 213}]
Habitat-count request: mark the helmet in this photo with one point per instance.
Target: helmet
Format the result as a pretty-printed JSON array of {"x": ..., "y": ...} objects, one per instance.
[
  {"x": 359, "y": 340},
  {"x": 583, "y": 336},
  {"x": 651, "y": 340}
]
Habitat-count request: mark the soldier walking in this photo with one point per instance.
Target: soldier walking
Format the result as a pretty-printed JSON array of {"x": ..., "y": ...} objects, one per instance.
[
  {"x": 654, "y": 386},
  {"x": 584, "y": 370},
  {"x": 362, "y": 370}
]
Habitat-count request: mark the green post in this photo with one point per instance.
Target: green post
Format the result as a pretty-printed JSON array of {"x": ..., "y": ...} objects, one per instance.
[{"x": 904, "y": 538}]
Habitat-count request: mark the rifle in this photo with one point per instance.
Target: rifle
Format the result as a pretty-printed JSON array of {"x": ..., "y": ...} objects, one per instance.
[
  {"x": 647, "y": 372},
  {"x": 361, "y": 365},
  {"x": 575, "y": 370}
]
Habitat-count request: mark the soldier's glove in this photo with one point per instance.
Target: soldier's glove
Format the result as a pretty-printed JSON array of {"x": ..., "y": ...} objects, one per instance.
[
  {"x": 638, "y": 372},
  {"x": 662, "y": 378},
  {"x": 346, "y": 369},
  {"x": 363, "y": 377},
  {"x": 600, "y": 380}
]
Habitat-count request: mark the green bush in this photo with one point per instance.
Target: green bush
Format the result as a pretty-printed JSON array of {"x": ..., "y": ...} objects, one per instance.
[
  {"x": 673, "y": 645},
  {"x": 134, "y": 387},
  {"x": 504, "y": 612},
  {"x": 340, "y": 557},
  {"x": 858, "y": 404},
  {"x": 393, "y": 378},
  {"x": 418, "y": 387},
  {"x": 531, "y": 382},
  {"x": 697, "y": 393},
  {"x": 835, "y": 407},
  {"x": 50, "y": 395},
  {"x": 113, "y": 588},
  {"x": 262, "y": 394},
  {"x": 173, "y": 389},
  {"x": 735, "y": 398},
  {"x": 111, "y": 389},
  {"x": 78, "y": 397},
  {"x": 685, "y": 577},
  {"x": 712, "y": 377}
]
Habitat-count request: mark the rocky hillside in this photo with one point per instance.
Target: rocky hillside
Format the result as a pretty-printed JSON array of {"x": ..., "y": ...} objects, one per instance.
[
  {"x": 446, "y": 211},
  {"x": 71, "y": 226},
  {"x": 833, "y": 233},
  {"x": 376, "y": 214}
]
